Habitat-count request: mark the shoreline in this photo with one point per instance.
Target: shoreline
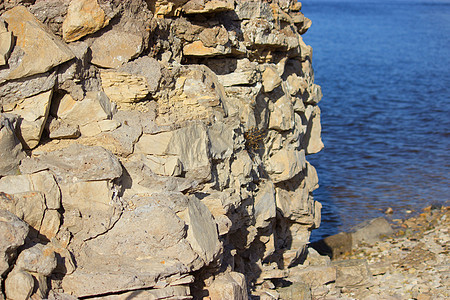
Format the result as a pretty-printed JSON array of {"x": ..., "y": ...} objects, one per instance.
[{"x": 411, "y": 263}]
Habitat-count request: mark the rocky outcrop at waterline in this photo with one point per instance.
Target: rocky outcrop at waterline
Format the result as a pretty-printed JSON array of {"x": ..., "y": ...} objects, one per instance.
[{"x": 154, "y": 149}]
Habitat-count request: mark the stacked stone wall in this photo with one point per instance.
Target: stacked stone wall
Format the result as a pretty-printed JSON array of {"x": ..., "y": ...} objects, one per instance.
[{"x": 154, "y": 148}]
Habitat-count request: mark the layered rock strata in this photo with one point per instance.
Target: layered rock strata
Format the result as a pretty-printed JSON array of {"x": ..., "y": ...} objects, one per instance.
[{"x": 154, "y": 149}]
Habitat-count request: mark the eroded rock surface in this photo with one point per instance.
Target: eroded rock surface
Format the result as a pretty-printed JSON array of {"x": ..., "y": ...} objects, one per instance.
[{"x": 155, "y": 149}]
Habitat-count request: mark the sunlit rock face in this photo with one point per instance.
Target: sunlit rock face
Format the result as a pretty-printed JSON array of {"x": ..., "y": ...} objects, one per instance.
[{"x": 155, "y": 147}]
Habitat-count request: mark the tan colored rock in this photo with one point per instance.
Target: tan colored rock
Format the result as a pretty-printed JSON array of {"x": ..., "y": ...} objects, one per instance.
[
  {"x": 10, "y": 147},
  {"x": 296, "y": 84},
  {"x": 188, "y": 144},
  {"x": 58, "y": 129},
  {"x": 86, "y": 113},
  {"x": 271, "y": 79},
  {"x": 207, "y": 6},
  {"x": 191, "y": 145},
  {"x": 114, "y": 48},
  {"x": 242, "y": 166},
  {"x": 198, "y": 95},
  {"x": 168, "y": 292},
  {"x": 91, "y": 208},
  {"x": 50, "y": 223},
  {"x": 16, "y": 90},
  {"x": 36, "y": 41},
  {"x": 146, "y": 67},
  {"x": 29, "y": 206},
  {"x": 370, "y": 231},
  {"x": 34, "y": 112},
  {"x": 5, "y": 43},
  {"x": 75, "y": 163},
  {"x": 164, "y": 165},
  {"x": 19, "y": 285},
  {"x": 248, "y": 10},
  {"x": 37, "y": 259},
  {"x": 83, "y": 17},
  {"x": 238, "y": 78},
  {"x": 154, "y": 144},
  {"x": 215, "y": 206},
  {"x": 148, "y": 244},
  {"x": 293, "y": 200},
  {"x": 265, "y": 205},
  {"x": 108, "y": 125},
  {"x": 229, "y": 286},
  {"x": 312, "y": 139},
  {"x": 13, "y": 232},
  {"x": 263, "y": 33},
  {"x": 212, "y": 37},
  {"x": 43, "y": 182},
  {"x": 282, "y": 117},
  {"x": 314, "y": 94},
  {"x": 198, "y": 49},
  {"x": 313, "y": 276},
  {"x": 123, "y": 88},
  {"x": 306, "y": 51},
  {"x": 353, "y": 272},
  {"x": 285, "y": 164},
  {"x": 297, "y": 290},
  {"x": 202, "y": 231}
]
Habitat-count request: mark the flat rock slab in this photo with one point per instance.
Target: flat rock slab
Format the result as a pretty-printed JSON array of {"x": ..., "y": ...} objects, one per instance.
[
  {"x": 354, "y": 272},
  {"x": 76, "y": 163},
  {"x": 13, "y": 232},
  {"x": 42, "y": 49}
]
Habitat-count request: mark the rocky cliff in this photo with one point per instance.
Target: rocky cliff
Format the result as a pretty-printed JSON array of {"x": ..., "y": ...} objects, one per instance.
[{"x": 154, "y": 149}]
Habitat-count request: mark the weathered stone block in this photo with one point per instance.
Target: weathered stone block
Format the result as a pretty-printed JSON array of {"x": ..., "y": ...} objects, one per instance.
[
  {"x": 13, "y": 231},
  {"x": 33, "y": 114},
  {"x": 114, "y": 48},
  {"x": 10, "y": 147},
  {"x": 285, "y": 164},
  {"x": 36, "y": 41},
  {"x": 83, "y": 17}
]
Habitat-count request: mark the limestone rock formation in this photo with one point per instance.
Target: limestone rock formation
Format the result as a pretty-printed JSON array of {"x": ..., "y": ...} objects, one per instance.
[
  {"x": 156, "y": 149},
  {"x": 83, "y": 17}
]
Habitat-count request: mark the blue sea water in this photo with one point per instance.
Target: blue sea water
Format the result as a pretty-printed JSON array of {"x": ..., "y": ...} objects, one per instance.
[{"x": 384, "y": 68}]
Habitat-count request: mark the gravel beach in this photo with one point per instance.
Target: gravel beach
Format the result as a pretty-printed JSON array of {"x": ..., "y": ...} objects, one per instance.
[{"x": 414, "y": 263}]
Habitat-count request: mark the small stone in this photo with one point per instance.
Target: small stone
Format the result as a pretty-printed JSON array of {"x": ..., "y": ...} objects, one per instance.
[{"x": 389, "y": 211}]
